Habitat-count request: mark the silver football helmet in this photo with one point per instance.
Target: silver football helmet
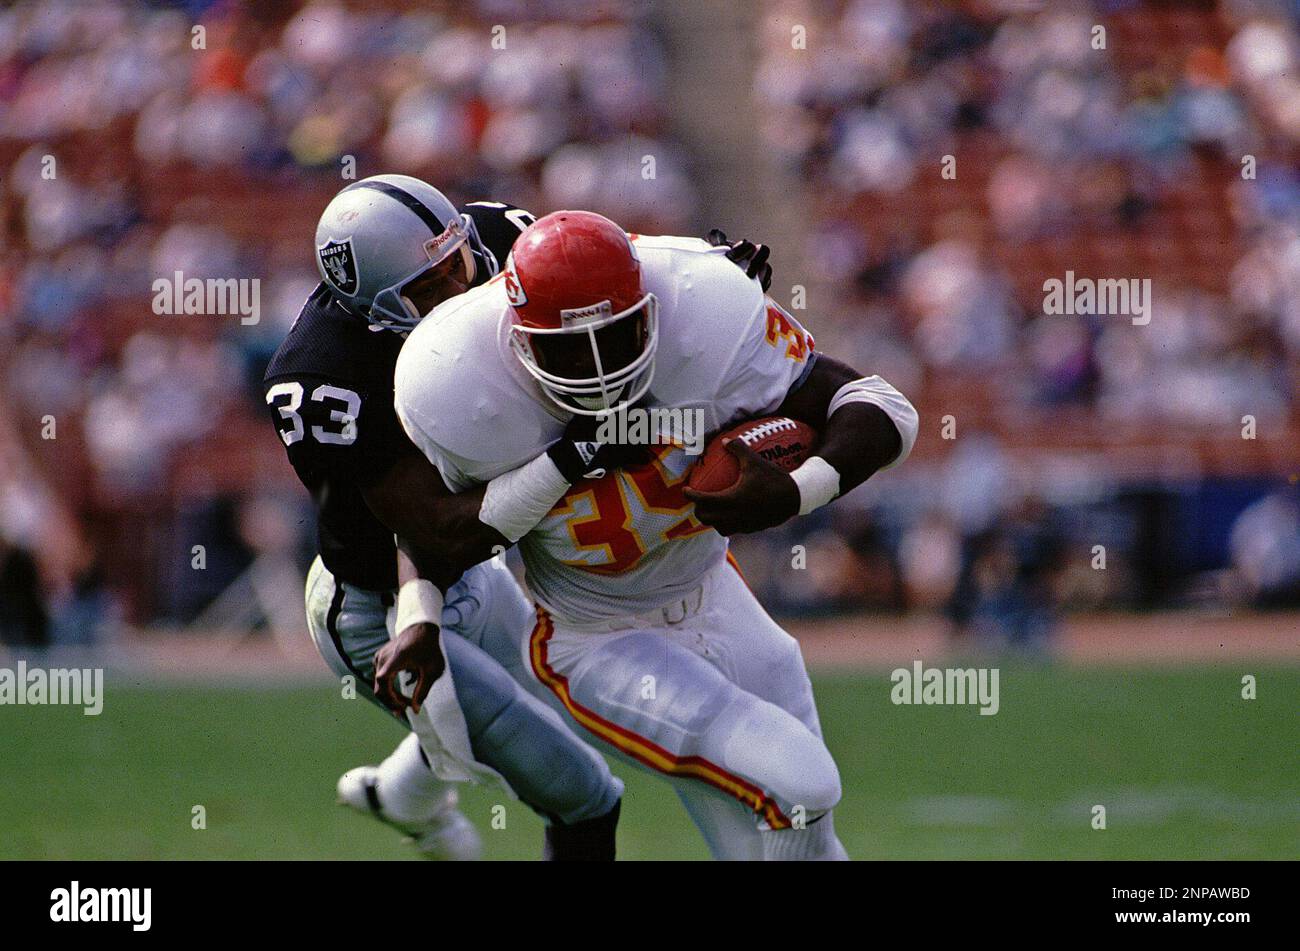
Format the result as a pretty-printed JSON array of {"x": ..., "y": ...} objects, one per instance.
[{"x": 379, "y": 234}]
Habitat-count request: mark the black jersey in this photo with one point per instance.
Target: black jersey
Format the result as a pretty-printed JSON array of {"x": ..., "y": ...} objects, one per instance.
[{"x": 329, "y": 388}]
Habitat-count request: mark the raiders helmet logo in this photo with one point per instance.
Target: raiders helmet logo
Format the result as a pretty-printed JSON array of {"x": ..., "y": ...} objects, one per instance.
[{"x": 339, "y": 264}]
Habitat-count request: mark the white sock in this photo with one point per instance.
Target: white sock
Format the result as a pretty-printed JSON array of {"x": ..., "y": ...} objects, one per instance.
[
  {"x": 816, "y": 842},
  {"x": 408, "y": 790}
]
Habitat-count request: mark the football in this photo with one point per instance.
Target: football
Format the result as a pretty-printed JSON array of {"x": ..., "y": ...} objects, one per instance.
[{"x": 779, "y": 439}]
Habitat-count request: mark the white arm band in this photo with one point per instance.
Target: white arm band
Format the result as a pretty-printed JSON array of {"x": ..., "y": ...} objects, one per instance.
[
  {"x": 817, "y": 479},
  {"x": 818, "y": 483},
  {"x": 874, "y": 390},
  {"x": 516, "y": 501},
  {"x": 418, "y": 602}
]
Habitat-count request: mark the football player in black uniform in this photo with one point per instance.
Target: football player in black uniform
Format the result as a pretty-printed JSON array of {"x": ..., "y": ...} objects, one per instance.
[{"x": 389, "y": 249}]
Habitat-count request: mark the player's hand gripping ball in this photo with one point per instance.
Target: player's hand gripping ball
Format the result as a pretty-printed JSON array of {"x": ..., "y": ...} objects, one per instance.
[{"x": 742, "y": 481}]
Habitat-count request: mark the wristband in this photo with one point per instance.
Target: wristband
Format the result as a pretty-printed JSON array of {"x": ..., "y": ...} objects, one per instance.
[
  {"x": 418, "y": 602},
  {"x": 818, "y": 483},
  {"x": 515, "y": 502}
]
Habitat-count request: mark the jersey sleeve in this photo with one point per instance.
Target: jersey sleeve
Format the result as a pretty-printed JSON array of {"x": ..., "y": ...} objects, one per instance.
[
  {"x": 773, "y": 355},
  {"x": 460, "y": 405},
  {"x": 454, "y": 469},
  {"x": 332, "y": 431},
  {"x": 430, "y": 386},
  {"x": 426, "y": 416}
]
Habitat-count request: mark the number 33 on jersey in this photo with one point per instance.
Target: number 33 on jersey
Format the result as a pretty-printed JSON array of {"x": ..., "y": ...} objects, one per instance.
[{"x": 340, "y": 406}]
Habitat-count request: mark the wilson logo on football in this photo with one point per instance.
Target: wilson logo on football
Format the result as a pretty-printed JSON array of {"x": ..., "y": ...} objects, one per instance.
[{"x": 514, "y": 290}]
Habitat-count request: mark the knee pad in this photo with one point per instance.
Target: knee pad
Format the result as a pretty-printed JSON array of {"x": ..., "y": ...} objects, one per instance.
[
  {"x": 545, "y": 763},
  {"x": 548, "y": 767},
  {"x": 782, "y": 756},
  {"x": 818, "y": 789}
]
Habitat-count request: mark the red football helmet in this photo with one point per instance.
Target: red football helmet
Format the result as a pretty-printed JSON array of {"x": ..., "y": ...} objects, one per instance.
[{"x": 584, "y": 326}]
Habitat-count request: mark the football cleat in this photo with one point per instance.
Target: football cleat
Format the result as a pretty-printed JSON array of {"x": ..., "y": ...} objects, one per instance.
[{"x": 446, "y": 836}]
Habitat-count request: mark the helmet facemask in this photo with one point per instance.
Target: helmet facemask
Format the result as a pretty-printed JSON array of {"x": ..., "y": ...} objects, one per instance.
[
  {"x": 392, "y": 309},
  {"x": 481, "y": 256},
  {"x": 610, "y": 357}
]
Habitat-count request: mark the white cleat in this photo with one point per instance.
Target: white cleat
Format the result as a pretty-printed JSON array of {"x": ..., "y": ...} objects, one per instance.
[{"x": 447, "y": 836}]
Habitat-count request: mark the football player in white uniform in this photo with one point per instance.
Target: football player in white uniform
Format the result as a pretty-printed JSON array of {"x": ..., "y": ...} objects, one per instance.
[{"x": 646, "y": 635}]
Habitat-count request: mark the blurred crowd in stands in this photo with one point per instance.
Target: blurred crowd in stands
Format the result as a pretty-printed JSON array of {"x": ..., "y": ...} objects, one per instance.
[
  {"x": 955, "y": 157},
  {"x": 133, "y": 146},
  {"x": 1056, "y": 144}
]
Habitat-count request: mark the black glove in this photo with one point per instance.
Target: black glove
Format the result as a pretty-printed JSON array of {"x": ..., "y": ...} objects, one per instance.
[
  {"x": 578, "y": 454},
  {"x": 748, "y": 256}
]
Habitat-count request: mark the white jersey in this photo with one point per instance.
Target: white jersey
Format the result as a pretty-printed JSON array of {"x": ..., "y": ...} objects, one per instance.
[{"x": 629, "y": 542}]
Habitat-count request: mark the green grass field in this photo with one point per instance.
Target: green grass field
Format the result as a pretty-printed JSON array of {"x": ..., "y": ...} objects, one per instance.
[{"x": 1184, "y": 766}]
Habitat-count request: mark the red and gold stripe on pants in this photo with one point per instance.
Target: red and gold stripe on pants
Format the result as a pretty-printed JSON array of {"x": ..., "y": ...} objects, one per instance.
[{"x": 642, "y": 750}]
